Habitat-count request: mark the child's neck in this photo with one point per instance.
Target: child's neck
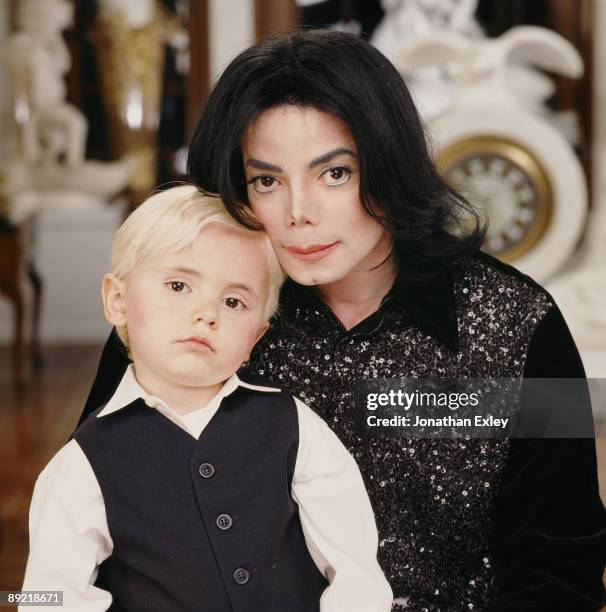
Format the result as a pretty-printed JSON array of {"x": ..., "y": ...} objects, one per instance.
[{"x": 182, "y": 399}]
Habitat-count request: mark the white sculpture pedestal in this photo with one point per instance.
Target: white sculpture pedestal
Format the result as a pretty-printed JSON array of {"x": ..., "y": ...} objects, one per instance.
[{"x": 74, "y": 233}]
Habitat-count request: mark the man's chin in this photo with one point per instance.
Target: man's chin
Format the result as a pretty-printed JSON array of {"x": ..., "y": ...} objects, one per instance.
[{"x": 311, "y": 278}]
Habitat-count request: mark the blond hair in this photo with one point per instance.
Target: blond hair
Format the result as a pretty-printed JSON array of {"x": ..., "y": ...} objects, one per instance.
[{"x": 170, "y": 221}]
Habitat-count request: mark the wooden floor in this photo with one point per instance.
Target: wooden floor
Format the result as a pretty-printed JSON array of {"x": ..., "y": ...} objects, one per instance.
[{"x": 35, "y": 423}]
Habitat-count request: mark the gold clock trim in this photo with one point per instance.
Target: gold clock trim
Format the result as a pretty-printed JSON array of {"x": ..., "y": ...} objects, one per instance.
[{"x": 517, "y": 154}]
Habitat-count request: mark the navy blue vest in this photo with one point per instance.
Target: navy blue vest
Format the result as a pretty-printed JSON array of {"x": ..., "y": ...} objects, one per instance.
[{"x": 205, "y": 525}]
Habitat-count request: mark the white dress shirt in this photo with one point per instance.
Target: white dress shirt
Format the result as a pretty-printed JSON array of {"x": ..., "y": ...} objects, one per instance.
[{"x": 70, "y": 538}]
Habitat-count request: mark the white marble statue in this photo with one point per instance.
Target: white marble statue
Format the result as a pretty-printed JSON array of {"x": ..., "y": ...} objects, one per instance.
[
  {"x": 481, "y": 68},
  {"x": 406, "y": 20},
  {"x": 50, "y": 132},
  {"x": 422, "y": 22},
  {"x": 38, "y": 51}
]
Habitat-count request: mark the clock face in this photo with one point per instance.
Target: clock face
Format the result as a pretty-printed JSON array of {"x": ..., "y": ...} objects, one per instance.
[{"x": 508, "y": 184}]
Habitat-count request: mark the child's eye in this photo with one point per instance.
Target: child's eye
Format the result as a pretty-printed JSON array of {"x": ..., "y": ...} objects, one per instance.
[
  {"x": 178, "y": 286},
  {"x": 263, "y": 183},
  {"x": 337, "y": 175},
  {"x": 234, "y": 303}
]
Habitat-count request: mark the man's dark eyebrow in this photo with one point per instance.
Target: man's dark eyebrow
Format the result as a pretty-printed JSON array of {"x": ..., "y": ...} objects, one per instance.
[
  {"x": 261, "y": 165},
  {"x": 330, "y": 155}
]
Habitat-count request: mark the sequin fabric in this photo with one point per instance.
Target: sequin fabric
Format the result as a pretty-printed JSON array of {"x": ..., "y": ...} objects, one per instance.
[{"x": 432, "y": 498}]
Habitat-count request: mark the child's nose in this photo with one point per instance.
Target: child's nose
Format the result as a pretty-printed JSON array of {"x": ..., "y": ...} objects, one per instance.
[{"x": 206, "y": 313}]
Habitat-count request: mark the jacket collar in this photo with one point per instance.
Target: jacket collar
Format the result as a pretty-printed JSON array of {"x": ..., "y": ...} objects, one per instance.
[{"x": 431, "y": 306}]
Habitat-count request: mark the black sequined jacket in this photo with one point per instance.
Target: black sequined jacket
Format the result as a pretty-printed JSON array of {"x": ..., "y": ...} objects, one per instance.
[{"x": 500, "y": 525}]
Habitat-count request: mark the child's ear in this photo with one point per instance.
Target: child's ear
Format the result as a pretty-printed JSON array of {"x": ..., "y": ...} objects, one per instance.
[
  {"x": 258, "y": 337},
  {"x": 114, "y": 300},
  {"x": 261, "y": 331}
]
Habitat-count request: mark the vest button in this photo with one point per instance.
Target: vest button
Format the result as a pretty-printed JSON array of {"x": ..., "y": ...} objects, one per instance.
[
  {"x": 206, "y": 470},
  {"x": 224, "y": 522},
  {"x": 241, "y": 576}
]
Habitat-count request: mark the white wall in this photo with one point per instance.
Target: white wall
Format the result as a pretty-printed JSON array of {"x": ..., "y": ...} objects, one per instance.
[{"x": 231, "y": 29}]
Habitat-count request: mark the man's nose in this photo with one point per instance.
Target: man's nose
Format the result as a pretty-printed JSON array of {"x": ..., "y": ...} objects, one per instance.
[{"x": 301, "y": 209}]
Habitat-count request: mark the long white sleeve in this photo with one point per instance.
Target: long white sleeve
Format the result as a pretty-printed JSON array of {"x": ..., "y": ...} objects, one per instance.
[
  {"x": 337, "y": 519},
  {"x": 68, "y": 533}
]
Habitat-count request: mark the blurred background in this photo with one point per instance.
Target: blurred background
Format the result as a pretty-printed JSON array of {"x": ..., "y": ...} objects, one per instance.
[{"x": 97, "y": 101}]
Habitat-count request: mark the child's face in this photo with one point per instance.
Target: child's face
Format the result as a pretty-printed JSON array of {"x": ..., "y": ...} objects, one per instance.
[{"x": 193, "y": 316}]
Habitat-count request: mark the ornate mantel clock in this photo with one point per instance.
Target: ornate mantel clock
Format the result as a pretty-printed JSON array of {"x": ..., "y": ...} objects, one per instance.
[{"x": 507, "y": 181}]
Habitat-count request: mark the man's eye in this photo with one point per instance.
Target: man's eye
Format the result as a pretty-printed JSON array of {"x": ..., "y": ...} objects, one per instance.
[
  {"x": 178, "y": 286},
  {"x": 337, "y": 175},
  {"x": 234, "y": 303},
  {"x": 263, "y": 184}
]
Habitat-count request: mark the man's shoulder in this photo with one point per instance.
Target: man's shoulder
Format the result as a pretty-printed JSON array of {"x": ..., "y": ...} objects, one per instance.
[
  {"x": 497, "y": 304},
  {"x": 486, "y": 278},
  {"x": 499, "y": 269}
]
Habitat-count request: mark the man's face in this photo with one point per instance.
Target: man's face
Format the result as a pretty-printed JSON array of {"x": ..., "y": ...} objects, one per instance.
[
  {"x": 193, "y": 316},
  {"x": 303, "y": 177}
]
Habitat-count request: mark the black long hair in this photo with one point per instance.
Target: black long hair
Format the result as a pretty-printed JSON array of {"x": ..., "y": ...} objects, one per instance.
[{"x": 347, "y": 77}]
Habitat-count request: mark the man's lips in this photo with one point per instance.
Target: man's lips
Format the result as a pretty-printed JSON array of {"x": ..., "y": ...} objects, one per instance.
[
  {"x": 312, "y": 252},
  {"x": 198, "y": 343}
]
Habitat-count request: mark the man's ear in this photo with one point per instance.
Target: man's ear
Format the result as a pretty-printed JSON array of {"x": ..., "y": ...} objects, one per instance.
[{"x": 113, "y": 291}]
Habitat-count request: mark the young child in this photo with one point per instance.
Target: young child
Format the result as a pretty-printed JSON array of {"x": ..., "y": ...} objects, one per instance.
[{"x": 190, "y": 489}]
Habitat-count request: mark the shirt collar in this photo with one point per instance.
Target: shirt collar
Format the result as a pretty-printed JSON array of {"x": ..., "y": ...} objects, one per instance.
[
  {"x": 130, "y": 390},
  {"x": 429, "y": 303}
]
